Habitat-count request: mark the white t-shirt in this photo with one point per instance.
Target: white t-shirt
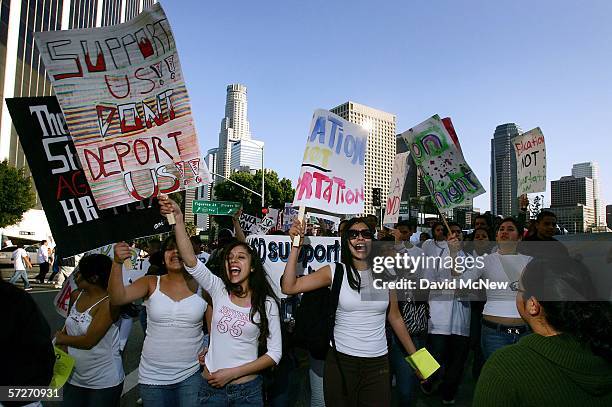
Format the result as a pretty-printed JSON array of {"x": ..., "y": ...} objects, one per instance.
[
  {"x": 360, "y": 322},
  {"x": 43, "y": 254},
  {"x": 448, "y": 315},
  {"x": 233, "y": 337},
  {"x": 500, "y": 268},
  {"x": 17, "y": 257}
]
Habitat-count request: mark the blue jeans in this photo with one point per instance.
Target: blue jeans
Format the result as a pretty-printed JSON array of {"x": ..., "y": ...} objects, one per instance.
[
  {"x": 493, "y": 339},
  {"x": 23, "y": 274},
  {"x": 183, "y": 394},
  {"x": 232, "y": 395},
  {"x": 405, "y": 379}
]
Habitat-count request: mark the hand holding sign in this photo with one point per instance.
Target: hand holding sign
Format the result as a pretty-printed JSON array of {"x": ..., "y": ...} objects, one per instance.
[
  {"x": 297, "y": 232},
  {"x": 122, "y": 252}
]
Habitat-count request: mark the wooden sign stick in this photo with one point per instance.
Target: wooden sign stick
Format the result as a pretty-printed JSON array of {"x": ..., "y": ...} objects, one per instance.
[{"x": 301, "y": 211}]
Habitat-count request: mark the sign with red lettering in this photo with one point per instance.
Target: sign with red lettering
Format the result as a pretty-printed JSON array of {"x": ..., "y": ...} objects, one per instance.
[
  {"x": 76, "y": 222},
  {"x": 396, "y": 186},
  {"x": 332, "y": 173},
  {"x": 530, "y": 152},
  {"x": 126, "y": 106}
]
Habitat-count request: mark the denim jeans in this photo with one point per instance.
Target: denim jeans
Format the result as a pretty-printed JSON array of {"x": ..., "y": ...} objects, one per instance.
[
  {"x": 23, "y": 274},
  {"x": 315, "y": 373},
  {"x": 232, "y": 395},
  {"x": 493, "y": 339},
  {"x": 405, "y": 379},
  {"x": 182, "y": 394}
]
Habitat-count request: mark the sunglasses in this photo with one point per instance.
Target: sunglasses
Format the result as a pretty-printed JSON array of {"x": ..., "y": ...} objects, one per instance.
[{"x": 365, "y": 233}]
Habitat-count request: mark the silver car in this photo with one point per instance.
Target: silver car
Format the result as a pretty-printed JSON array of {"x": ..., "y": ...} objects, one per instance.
[{"x": 6, "y": 254}]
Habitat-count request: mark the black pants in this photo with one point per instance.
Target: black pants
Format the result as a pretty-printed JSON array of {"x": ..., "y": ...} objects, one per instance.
[
  {"x": 451, "y": 352},
  {"x": 367, "y": 381},
  {"x": 44, "y": 269},
  {"x": 75, "y": 396}
]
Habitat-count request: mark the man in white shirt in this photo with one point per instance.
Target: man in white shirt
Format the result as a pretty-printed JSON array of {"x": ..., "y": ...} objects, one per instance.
[
  {"x": 21, "y": 260},
  {"x": 43, "y": 261}
]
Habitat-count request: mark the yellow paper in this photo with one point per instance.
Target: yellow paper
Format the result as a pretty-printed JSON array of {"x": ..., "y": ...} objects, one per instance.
[
  {"x": 424, "y": 362},
  {"x": 64, "y": 363}
]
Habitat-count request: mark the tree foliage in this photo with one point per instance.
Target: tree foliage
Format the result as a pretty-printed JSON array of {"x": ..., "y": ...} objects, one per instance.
[
  {"x": 16, "y": 194},
  {"x": 276, "y": 191}
]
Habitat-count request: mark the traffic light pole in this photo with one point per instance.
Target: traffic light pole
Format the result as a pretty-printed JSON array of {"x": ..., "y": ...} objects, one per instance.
[{"x": 240, "y": 185}]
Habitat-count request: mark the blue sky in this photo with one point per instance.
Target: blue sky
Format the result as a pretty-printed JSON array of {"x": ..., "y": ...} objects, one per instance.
[{"x": 483, "y": 63}]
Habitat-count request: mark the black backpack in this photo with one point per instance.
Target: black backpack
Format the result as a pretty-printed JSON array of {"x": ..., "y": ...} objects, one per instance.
[{"x": 315, "y": 317}]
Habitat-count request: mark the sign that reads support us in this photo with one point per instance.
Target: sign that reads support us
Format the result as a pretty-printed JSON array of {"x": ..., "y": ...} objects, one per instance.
[
  {"x": 332, "y": 173},
  {"x": 448, "y": 177},
  {"x": 530, "y": 152},
  {"x": 122, "y": 92}
]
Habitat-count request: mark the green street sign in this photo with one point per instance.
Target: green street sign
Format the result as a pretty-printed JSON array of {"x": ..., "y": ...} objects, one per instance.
[{"x": 216, "y": 207}]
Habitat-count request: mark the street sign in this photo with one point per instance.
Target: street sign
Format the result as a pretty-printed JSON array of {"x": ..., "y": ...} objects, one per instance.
[{"x": 216, "y": 207}]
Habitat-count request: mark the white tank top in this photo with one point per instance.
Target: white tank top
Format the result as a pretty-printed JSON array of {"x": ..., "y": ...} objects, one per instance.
[
  {"x": 174, "y": 338},
  {"x": 99, "y": 367}
]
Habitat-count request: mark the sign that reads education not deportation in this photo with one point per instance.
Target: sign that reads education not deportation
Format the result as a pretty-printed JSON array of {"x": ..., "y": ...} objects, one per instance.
[
  {"x": 122, "y": 92},
  {"x": 76, "y": 222},
  {"x": 448, "y": 177},
  {"x": 332, "y": 172},
  {"x": 530, "y": 152},
  {"x": 216, "y": 207}
]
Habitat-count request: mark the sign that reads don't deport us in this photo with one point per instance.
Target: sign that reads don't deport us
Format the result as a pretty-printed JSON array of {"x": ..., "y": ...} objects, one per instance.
[
  {"x": 332, "y": 173},
  {"x": 122, "y": 91},
  {"x": 530, "y": 152}
]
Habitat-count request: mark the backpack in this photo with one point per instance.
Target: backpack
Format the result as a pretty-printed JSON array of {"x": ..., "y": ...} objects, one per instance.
[{"x": 315, "y": 317}]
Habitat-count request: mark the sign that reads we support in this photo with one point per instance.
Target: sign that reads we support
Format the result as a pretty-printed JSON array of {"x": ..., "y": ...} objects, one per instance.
[
  {"x": 396, "y": 186},
  {"x": 216, "y": 207},
  {"x": 332, "y": 173},
  {"x": 448, "y": 177},
  {"x": 76, "y": 222},
  {"x": 530, "y": 152},
  {"x": 122, "y": 92}
]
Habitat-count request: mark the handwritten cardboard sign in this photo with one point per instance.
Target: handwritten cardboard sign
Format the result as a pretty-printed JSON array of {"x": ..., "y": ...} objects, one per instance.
[
  {"x": 248, "y": 223},
  {"x": 332, "y": 172},
  {"x": 448, "y": 177},
  {"x": 126, "y": 106},
  {"x": 530, "y": 152},
  {"x": 401, "y": 166},
  {"x": 76, "y": 222}
]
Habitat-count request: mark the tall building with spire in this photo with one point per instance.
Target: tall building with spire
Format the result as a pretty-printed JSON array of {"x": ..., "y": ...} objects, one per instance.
[
  {"x": 591, "y": 170},
  {"x": 504, "y": 201},
  {"x": 234, "y": 126}
]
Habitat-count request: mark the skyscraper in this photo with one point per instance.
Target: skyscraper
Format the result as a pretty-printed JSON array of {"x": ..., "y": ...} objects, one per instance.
[
  {"x": 609, "y": 215},
  {"x": 503, "y": 171},
  {"x": 572, "y": 202},
  {"x": 234, "y": 126},
  {"x": 381, "y": 146},
  {"x": 591, "y": 170},
  {"x": 22, "y": 73},
  {"x": 246, "y": 154}
]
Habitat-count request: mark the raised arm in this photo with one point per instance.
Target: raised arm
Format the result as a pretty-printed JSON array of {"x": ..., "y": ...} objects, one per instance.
[
  {"x": 118, "y": 293},
  {"x": 290, "y": 284},
  {"x": 237, "y": 229}
]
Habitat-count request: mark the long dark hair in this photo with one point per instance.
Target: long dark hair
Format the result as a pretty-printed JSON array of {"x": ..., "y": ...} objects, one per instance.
[
  {"x": 346, "y": 257},
  {"x": 564, "y": 289},
  {"x": 258, "y": 284}
]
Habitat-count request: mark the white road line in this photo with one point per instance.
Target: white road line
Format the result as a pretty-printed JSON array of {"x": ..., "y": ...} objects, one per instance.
[{"x": 130, "y": 382}]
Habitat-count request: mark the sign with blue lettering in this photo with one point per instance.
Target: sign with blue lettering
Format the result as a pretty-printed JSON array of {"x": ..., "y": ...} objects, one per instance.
[{"x": 332, "y": 173}]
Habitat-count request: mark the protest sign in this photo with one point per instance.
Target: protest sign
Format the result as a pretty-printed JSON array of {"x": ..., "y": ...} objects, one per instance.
[
  {"x": 268, "y": 222},
  {"x": 332, "y": 172},
  {"x": 248, "y": 223},
  {"x": 448, "y": 177},
  {"x": 126, "y": 106},
  {"x": 289, "y": 215},
  {"x": 216, "y": 207},
  {"x": 62, "y": 298},
  {"x": 396, "y": 186},
  {"x": 530, "y": 153},
  {"x": 76, "y": 222},
  {"x": 274, "y": 250}
]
